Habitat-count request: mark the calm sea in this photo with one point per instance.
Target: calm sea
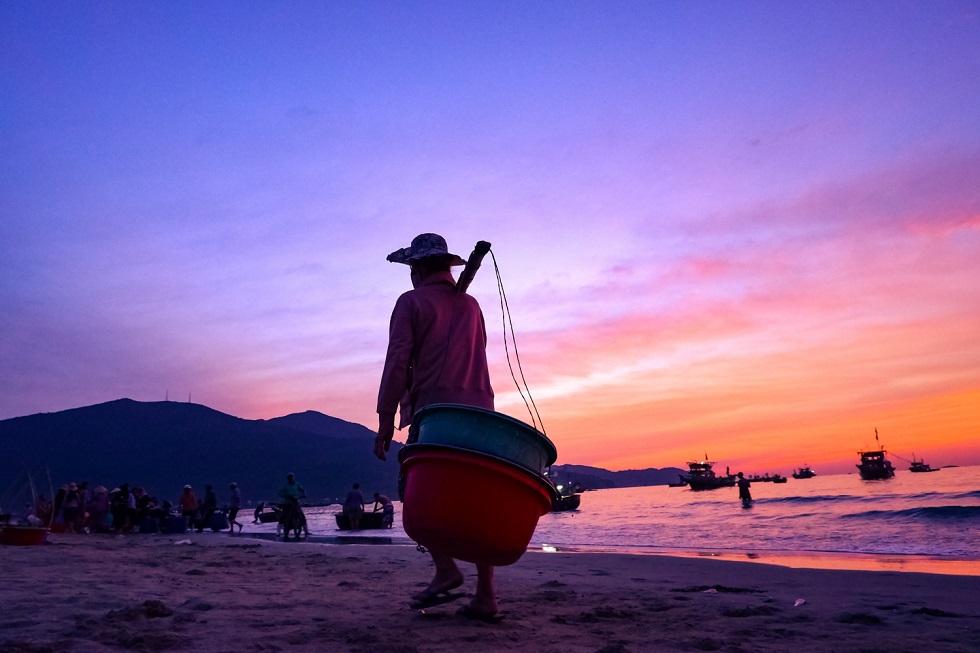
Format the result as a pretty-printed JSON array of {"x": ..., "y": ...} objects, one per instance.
[{"x": 932, "y": 514}]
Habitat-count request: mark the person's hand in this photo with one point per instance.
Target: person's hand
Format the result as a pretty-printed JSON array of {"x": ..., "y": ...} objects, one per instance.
[{"x": 383, "y": 440}]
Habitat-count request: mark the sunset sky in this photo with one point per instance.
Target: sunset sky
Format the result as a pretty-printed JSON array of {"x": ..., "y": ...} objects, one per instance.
[{"x": 746, "y": 229}]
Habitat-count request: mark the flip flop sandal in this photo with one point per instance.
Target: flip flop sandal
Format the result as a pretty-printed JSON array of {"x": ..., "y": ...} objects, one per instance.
[{"x": 432, "y": 599}]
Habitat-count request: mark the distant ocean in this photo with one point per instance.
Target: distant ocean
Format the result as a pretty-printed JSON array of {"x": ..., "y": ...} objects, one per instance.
[{"x": 929, "y": 514}]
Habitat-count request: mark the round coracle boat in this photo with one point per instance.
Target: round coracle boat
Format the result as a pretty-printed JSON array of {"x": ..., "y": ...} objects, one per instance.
[
  {"x": 483, "y": 431},
  {"x": 469, "y": 505}
]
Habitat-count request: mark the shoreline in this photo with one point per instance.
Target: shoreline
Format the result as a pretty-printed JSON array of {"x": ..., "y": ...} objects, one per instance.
[
  {"x": 838, "y": 560},
  {"x": 217, "y": 593}
]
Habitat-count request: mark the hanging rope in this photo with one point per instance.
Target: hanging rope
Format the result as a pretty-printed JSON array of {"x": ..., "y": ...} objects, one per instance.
[{"x": 532, "y": 408}]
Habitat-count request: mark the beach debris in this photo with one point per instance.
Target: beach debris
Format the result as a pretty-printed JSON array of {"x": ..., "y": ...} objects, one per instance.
[
  {"x": 183, "y": 542},
  {"x": 798, "y": 602},
  {"x": 712, "y": 589}
]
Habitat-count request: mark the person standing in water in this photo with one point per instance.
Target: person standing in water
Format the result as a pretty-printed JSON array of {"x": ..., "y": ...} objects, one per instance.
[
  {"x": 387, "y": 508},
  {"x": 436, "y": 354},
  {"x": 354, "y": 507},
  {"x": 234, "y": 505},
  {"x": 743, "y": 489}
]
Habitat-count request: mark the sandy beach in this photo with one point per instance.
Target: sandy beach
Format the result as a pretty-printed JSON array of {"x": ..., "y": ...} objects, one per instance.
[{"x": 212, "y": 592}]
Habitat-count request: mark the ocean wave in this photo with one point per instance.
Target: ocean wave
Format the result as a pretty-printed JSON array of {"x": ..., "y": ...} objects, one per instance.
[
  {"x": 928, "y": 512},
  {"x": 819, "y": 498},
  {"x": 972, "y": 494}
]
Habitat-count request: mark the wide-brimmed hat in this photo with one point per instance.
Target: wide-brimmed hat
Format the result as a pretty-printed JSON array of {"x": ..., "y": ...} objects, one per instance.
[
  {"x": 425, "y": 246},
  {"x": 187, "y": 487}
]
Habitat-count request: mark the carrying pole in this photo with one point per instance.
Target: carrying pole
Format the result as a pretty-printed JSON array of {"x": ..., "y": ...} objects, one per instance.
[{"x": 472, "y": 265}]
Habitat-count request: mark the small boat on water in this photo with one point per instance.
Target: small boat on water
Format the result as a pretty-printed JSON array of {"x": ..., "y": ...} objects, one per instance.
[
  {"x": 804, "y": 472},
  {"x": 266, "y": 515},
  {"x": 874, "y": 466},
  {"x": 567, "y": 497},
  {"x": 369, "y": 520},
  {"x": 768, "y": 478},
  {"x": 566, "y": 502},
  {"x": 921, "y": 466},
  {"x": 701, "y": 476}
]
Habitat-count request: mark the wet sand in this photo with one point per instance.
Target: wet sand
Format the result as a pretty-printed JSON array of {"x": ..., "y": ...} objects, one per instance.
[{"x": 213, "y": 592}]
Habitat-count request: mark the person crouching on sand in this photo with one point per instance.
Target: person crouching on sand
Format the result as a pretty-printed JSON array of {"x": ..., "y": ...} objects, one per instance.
[{"x": 436, "y": 354}]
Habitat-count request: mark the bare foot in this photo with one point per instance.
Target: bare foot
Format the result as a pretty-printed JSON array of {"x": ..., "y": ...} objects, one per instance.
[{"x": 483, "y": 606}]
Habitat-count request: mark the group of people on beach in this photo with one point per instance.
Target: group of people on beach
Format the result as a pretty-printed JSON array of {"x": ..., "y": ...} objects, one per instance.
[
  {"x": 200, "y": 513},
  {"x": 290, "y": 517},
  {"x": 79, "y": 508},
  {"x": 353, "y": 508}
]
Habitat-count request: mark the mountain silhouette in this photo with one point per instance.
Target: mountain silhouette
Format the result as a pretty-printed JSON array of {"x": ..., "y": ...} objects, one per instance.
[{"x": 164, "y": 445}]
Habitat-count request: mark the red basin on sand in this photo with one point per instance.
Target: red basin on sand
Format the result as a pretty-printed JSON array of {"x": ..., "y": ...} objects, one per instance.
[
  {"x": 471, "y": 506},
  {"x": 23, "y": 535}
]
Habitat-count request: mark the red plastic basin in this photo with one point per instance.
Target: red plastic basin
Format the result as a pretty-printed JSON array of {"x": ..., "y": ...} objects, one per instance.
[
  {"x": 470, "y": 506},
  {"x": 23, "y": 535}
]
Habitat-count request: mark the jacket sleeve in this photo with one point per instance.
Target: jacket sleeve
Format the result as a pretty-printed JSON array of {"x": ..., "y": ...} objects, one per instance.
[{"x": 398, "y": 360}]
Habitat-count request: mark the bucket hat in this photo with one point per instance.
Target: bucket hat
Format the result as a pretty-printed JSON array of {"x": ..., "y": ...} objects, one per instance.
[{"x": 425, "y": 246}]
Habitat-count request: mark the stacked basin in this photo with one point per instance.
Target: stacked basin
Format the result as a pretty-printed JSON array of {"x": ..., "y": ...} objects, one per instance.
[{"x": 474, "y": 483}]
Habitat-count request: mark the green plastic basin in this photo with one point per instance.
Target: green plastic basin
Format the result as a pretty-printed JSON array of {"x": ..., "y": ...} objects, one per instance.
[{"x": 483, "y": 431}]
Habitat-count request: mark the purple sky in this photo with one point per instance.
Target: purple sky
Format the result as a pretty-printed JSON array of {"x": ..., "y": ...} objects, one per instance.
[{"x": 714, "y": 220}]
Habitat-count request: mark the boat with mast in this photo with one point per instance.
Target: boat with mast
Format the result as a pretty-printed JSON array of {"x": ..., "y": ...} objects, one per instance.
[
  {"x": 804, "y": 472},
  {"x": 874, "y": 466},
  {"x": 921, "y": 466},
  {"x": 701, "y": 476}
]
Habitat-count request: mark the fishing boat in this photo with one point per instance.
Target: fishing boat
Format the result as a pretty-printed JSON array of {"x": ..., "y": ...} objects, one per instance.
[
  {"x": 568, "y": 496},
  {"x": 566, "y": 499},
  {"x": 768, "y": 478},
  {"x": 701, "y": 476},
  {"x": 804, "y": 472},
  {"x": 368, "y": 520},
  {"x": 874, "y": 466},
  {"x": 921, "y": 466},
  {"x": 267, "y": 515}
]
